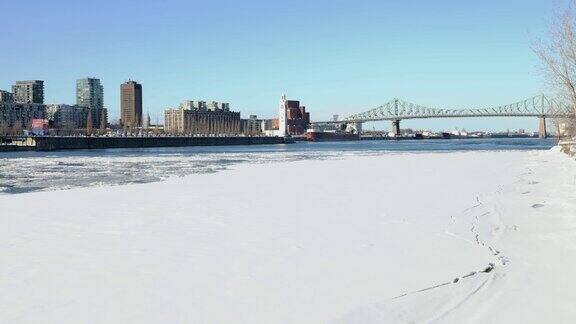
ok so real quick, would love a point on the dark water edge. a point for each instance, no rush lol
(22, 172)
(486, 144)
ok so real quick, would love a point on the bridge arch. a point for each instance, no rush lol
(396, 110)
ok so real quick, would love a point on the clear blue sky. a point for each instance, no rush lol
(335, 56)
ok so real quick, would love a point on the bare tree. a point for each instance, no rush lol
(4, 128)
(103, 118)
(17, 128)
(558, 57)
(89, 123)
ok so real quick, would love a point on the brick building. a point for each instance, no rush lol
(131, 104)
(297, 119)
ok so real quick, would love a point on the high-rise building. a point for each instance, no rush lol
(67, 116)
(15, 114)
(90, 94)
(131, 104)
(29, 91)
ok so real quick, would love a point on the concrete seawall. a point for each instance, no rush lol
(15, 148)
(78, 143)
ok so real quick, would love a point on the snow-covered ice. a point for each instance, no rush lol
(449, 237)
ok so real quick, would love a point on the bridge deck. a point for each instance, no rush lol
(538, 106)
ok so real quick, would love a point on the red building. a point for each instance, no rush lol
(297, 118)
(39, 127)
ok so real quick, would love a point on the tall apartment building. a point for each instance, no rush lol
(196, 117)
(29, 91)
(90, 94)
(17, 114)
(67, 116)
(131, 104)
(24, 103)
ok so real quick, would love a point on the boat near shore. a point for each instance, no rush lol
(314, 134)
(318, 136)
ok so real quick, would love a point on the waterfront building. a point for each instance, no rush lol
(217, 106)
(131, 104)
(203, 105)
(292, 118)
(90, 94)
(192, 117)
(268, 124)
(67, 117)
(275, 124)
(39, 127)
(269, 127)
(251, 126)
(193, 105)
(31, 91)
(298, 119)
(6, 96)
(20, 115)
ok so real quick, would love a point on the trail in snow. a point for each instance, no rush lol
(502, 260)
(527, 226)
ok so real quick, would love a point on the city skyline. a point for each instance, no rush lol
(341, 58)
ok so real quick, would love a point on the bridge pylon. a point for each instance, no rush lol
(396, 127)
(542, 127)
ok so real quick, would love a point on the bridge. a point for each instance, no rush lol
(396, 110)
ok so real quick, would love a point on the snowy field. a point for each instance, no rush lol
(469, 237)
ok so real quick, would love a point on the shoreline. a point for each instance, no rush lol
(67, 143)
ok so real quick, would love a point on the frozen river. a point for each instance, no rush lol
(327, 233)
(34, 171)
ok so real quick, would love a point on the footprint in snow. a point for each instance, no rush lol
(489, 268)
(537, 205)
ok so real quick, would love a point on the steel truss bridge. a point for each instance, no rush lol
(397, 110)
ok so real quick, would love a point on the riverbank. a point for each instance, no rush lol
(16, 148)
(331, 240)
(63, 143)
(59, 143)
(81, 143)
